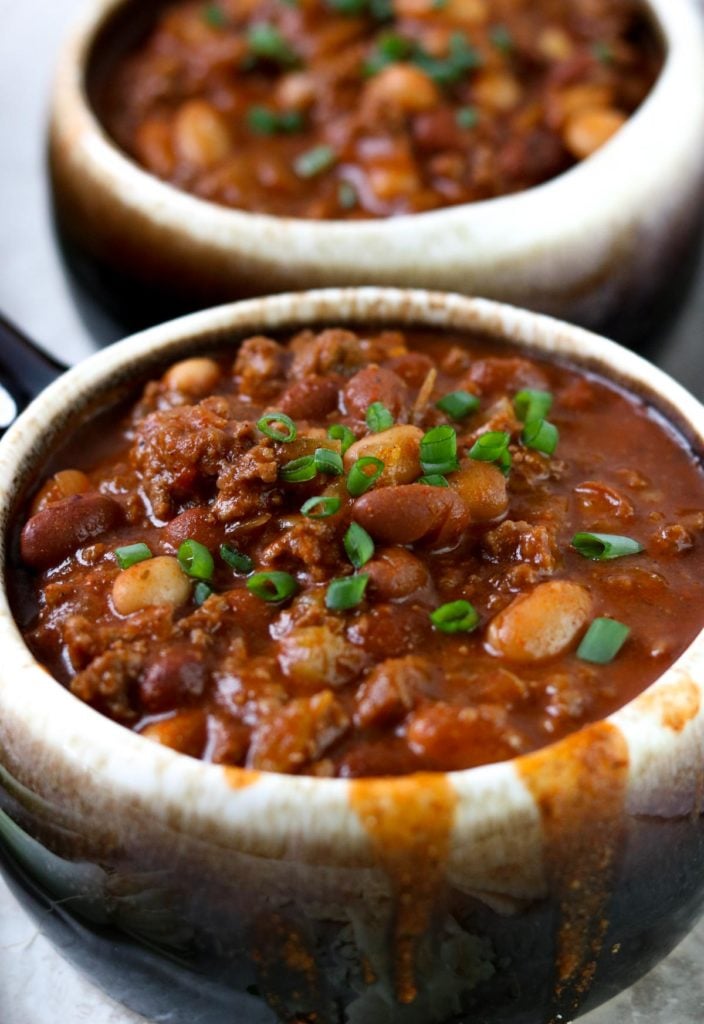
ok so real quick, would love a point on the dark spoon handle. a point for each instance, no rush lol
(25, 370)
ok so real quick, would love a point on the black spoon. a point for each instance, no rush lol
(25, 370)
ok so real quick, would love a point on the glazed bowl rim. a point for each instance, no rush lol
(127, 759)
(679, 23)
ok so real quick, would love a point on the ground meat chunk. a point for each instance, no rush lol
(305, 545)
(317, 656)
(260, 367)
(455, 736)
(390, 690)
(332, 351)
(110, 677)
(522, 542)
(245, 485)
(300, 733)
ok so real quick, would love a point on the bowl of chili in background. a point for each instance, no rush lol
(526, 890)
(594, 242)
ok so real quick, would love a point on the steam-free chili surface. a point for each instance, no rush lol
(355, 657)
(369, 108)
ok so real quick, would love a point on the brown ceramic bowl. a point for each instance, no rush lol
(517, 893)
(596, 245)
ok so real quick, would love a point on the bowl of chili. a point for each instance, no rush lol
(548, 156)
(414, 728)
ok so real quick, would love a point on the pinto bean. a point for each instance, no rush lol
(413, 512)
(310, 399)
(540, 624)
(156, 581)
(453, 738)
(318, 656)
(482, 487)
(193, 377)
(402, 87)
(173, 678)
(391, 630)
(399, 450)
(201, 134)
(588, 130)
(375, 384)
(64, 526)
(194, 524)
(61, 485)
(397, 575)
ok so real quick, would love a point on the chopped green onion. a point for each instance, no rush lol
(236, 559)
(358, 545)
(433, 480)
(455, 617)
(492, 447)
(284, 436)
(349, 7)
(378, 417)
(314, 161)
(382, 10)
(532, 405)
(347, 195)
(438, 451)
(541, 435)
(202, 592)
(345, 593)
(298, 471)
(602, 641)
(501, 38)
(462, 58)
(214, 16)
(467, 117)
(320, 507)
(272, 586)
(458, 404)
(390, 48)
(328, 462)
(603, 53)
(264, 121)
(131, 554)
(337, 432)
(603, 546)
(266, 41)
(359, 480)
(195, 560)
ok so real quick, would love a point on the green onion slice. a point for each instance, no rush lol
(541, 435)
(602, 641)
(467, 117)
(236, 559)
(131, 554)
(358, 545)
(298, 471)
(532, 405)
(363, 475)
(266, 41)
(314, 161)
(501, 38)
(492, 447)
(320, 507)
(438, 451)
(458, 404)
(378, 418)
(265, 121)
(202, 592)
(347, 195)
(328, 462)
(195, 560)
(214, 16)
(338, 432)
(272, 587)
(455, 617)
(266, 425)
(433, 480)
(346, 592)
(603, 546)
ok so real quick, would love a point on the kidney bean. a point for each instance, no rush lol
(391, 630)
(412, 367)
(399, 450)
(310, 399)
(194, 524)
(174, 677)
(375, 384)
(397, 575)
(64, 526)
(413, 512)
(540, 624)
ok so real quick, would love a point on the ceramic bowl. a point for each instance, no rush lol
(595, 245)
(517, 893)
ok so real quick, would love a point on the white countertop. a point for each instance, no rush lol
(33, 975)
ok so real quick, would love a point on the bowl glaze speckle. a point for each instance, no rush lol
(524, 892)
(595, 245)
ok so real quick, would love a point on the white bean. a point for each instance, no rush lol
(540, 624)
(155, 581)
(195, 377)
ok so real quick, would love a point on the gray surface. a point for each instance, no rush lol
(36, 294)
